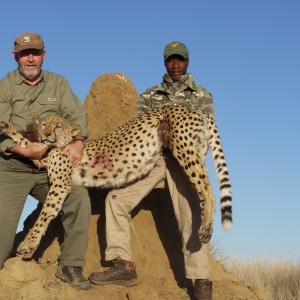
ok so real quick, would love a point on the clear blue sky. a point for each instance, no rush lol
(247, 53)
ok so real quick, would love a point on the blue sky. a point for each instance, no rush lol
(246, 53)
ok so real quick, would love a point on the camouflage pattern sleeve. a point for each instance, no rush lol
(144, 104)
(205, 102)
(185, 92)
(150, 99)
(202, 98)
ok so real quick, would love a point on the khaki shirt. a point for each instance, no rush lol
(52, 95)
(183, 92)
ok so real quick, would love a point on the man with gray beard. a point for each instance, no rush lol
(25, 93)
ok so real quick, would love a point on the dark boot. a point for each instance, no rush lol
(122, 272)
(73, 276)
(202, 289)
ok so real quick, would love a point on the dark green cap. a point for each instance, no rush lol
(176, 48)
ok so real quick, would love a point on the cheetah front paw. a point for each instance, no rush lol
(26, 249)
(205, 233)
(38, 163)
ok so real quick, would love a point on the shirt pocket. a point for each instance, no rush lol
(48, 105)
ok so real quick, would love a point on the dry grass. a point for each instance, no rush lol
(280, 280)
(217, 252)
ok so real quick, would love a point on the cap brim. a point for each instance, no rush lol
(20, 48)
(176, 53)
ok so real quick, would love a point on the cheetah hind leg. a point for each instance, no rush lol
(207, 219)
(206, 198)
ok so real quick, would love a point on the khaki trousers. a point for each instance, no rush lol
(17, 181)
(120, 202)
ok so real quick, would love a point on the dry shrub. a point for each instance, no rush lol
(280, 279)
(217, 252)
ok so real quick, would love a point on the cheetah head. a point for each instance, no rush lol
(54, 131)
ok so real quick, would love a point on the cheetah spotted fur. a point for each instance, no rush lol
(126, 155)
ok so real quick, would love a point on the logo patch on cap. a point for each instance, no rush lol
(174, 45)
(176, 48)
(26, 39)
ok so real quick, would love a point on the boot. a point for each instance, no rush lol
(202, 289)
(73, 276)
(122, 272)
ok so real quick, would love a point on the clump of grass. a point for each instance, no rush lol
(279, 279)
(217, 252)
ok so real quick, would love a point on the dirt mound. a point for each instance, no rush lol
(156, 242)
(112, 101)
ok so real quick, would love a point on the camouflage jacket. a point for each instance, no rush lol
(183, 92)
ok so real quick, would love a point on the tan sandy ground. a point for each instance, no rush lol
(156, 241)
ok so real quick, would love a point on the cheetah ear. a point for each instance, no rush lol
(75, 130)
(33, 125)
(36, 120)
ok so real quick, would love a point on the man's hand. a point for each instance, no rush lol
(75, 151)
(31, 151)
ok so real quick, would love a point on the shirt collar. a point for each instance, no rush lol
(19, 79)
(185, 81)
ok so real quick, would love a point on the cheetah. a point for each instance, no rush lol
(126, 155)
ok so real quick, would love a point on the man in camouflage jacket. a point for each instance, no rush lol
(185, 92)
(177, 88)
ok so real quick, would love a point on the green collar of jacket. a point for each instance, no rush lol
(185, 82)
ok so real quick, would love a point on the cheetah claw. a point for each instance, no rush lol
(25, 250)
(205, 234)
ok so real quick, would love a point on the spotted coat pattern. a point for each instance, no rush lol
(126, 155)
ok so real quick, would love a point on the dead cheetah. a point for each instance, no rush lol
(127, 154)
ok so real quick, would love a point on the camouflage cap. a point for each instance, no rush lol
(176, 48)
(28, 40)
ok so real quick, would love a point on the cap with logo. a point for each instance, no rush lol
(28, 40)
(176, 48)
